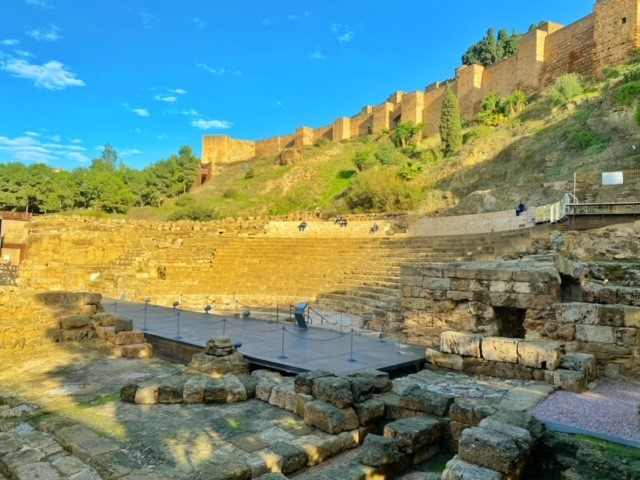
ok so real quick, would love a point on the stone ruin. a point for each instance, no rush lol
(395, 430)
(114, 331)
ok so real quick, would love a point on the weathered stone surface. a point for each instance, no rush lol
(250, 382)
(369, 411)
(219, 366)
(278, 396)
(122, 324)
(128, 337)
(235, 389)
(480, 366)
(301, 401)
(304, 381)
(459, 343)
(75, 321)
(412, 434)
(458, 469)
(77, 334)
(470, 412)
(522, 420)
(128, 392)
(215, 391)
(580, 362)
(500, 349)
(139, 350)
(521, 436)
(335, 390)
(490, 449)
(425, 401)
(84, 443)
(105, 333)
(545, 355)
(570, 380)
(329, 418)
(444, 360)
(381, 381)
(194, 388)
(294, 458)
(220, 346)
(377, 451)
(36, 471)
(523, 399)
(598, 334)
(147, 395)
(171, 390)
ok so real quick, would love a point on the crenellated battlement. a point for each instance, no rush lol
(607, 37)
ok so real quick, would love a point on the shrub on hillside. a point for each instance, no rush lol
(566, 88)
(627, 94)
(381, 190)
(363, 160)
(185, 201)
(387, 154)
(197, 213)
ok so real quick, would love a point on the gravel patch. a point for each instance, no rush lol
(610, 408)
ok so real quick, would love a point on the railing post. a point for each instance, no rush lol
(282, 355)
(351, 359)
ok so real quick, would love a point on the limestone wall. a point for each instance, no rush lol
(464, 297)
(607, 37)
(223, 149)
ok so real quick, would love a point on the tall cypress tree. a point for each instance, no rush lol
(450, 125)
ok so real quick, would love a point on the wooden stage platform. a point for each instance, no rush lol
(176, 335)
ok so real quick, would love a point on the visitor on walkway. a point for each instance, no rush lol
(302, 226)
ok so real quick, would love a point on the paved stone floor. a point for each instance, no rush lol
(61, 404)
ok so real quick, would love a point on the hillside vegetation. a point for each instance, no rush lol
(528, 156)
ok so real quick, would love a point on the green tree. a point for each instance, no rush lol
(406, 133)
(491, 49)
(450, 125)
(566, 88)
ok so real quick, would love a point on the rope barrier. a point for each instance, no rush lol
(342, 335)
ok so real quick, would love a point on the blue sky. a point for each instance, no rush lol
(148, 76)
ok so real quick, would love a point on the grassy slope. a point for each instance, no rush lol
(527, 158)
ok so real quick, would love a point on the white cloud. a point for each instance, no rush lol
(179, 91)
(220, 71)
(298, 17)
(53, 75)
(343, 33)
(162, 136)
(191, 112)
(45, 35)
(143, 112)
(24, 53)
(78, 157)
(210, 124)
(55, 138)
(76, 140)
(9, 42)
(199, 22)
(317, 55)
(30, 149)
(266, 22)
(277, 103)
(168, 99)
(129, 152)
(38, 3)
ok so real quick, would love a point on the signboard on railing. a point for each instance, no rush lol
(612, 178)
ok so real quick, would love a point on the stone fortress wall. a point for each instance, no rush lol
(607, 37)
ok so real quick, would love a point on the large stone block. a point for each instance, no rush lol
(219, 366)
(500, 349)
(412, 434)
(470, 412)
(377, 451)
(147, 395)
(329, 418)
(427, 402)
(521, 436)
(75, 321)
(293, 457)
(369, 411)
(139, 350)
(570, 380)
(128, 338)
(459, 343)
(304, 381)
(444, 360)
(234, 388)
(632, 317)
(580, 362)
(194, 388)
(545, 355)
(458, 469)
(593, 333)
(490, 449)
(171, 390)
(335, 390)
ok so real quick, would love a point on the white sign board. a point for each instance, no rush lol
(612, 178)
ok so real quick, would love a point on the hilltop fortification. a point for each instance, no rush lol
(607, 37)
